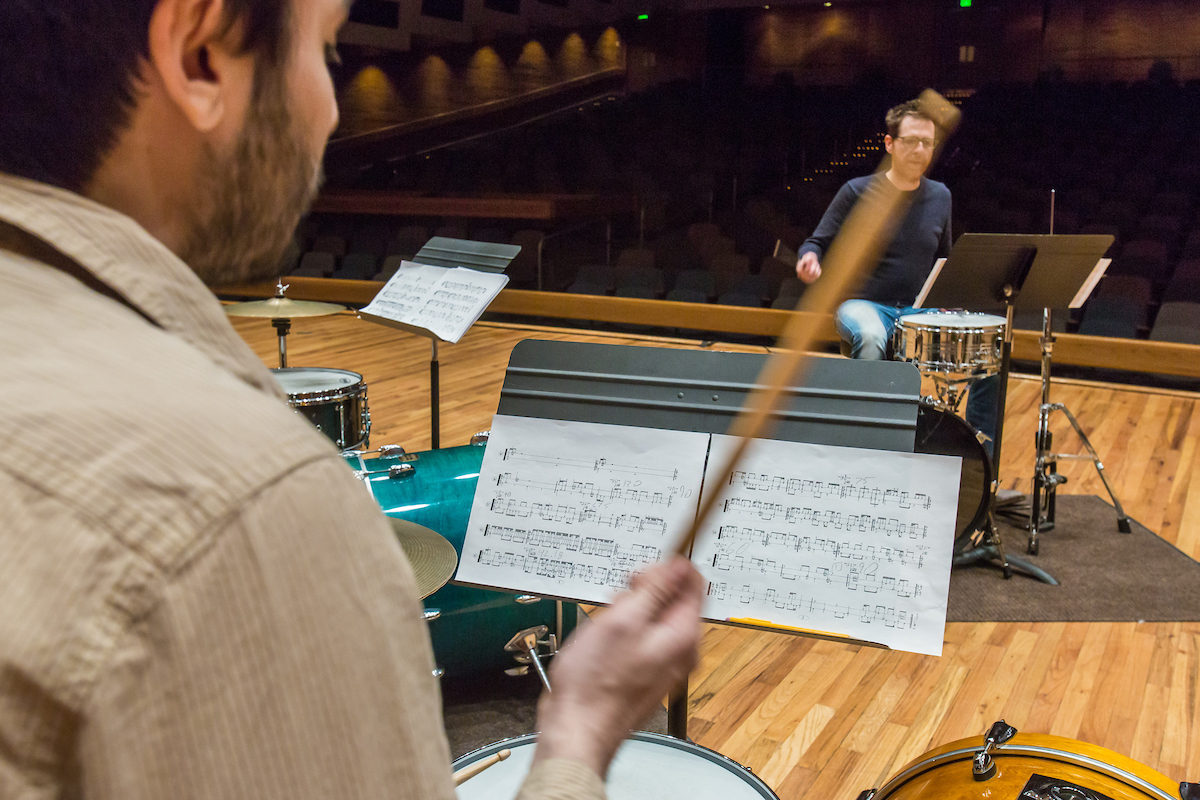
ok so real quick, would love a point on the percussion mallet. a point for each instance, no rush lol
(863, 238)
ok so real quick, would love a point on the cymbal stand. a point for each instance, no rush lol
(282, 326)
(990, 549)
(1046, 478)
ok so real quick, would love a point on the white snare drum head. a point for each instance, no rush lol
(314, 380)
(642, 769)
(953, 319)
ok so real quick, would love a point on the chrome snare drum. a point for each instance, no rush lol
(647, 765)
(956, 344)
(335, 400)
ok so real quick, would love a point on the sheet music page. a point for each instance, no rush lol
(573, 509)
(446, 302)
(834, 539)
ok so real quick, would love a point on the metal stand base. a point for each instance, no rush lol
(991, 551)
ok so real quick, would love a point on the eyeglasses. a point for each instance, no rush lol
(913, 141)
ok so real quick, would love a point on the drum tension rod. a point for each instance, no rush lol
(526, 642)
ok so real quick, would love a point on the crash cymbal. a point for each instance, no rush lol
(432, 557)
(282, 308)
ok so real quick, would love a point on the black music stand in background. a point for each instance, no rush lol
(1008, 273)
(441, 251)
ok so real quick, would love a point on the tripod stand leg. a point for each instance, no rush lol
(1122, 517)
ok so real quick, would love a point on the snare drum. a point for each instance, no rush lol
(1029, 765)
(335, 400)
(951, 343)
(647, 765)
(473, 625)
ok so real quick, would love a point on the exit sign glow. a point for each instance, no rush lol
(964, 3)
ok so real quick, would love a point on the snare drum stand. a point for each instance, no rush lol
(1046, 478)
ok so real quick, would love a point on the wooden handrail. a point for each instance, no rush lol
(1134, 355)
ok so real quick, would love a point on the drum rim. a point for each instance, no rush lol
(709, 754)
(989, 469)
(346, 392)
(1045, 746)
(964, 315)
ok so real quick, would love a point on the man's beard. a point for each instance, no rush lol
(249, 202)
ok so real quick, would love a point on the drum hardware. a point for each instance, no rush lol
(334, 400)
(281, 311)
(430, 614)
(526, 599)
(393, 472)
(383, 451)
(480, 439)
(526, 642)
(438, 672)
(983, 767)
(1046, 478)
(647, 765)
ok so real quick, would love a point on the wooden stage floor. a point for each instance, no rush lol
(817, 719)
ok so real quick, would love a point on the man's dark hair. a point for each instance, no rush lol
(896, 115)
(68, 73)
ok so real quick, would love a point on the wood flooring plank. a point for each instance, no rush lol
(787, 756)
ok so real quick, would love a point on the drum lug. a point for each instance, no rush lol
(480, 439)
(868, 795)
(527, 599)
(430, 614)
(397, 471)
(983, 766)
(438, 672)
(390, 451)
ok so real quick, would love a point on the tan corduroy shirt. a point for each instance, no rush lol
(197, 598)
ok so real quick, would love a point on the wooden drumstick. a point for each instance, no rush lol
(471, 770)
(864, 236)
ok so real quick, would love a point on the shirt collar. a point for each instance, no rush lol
(122, 255)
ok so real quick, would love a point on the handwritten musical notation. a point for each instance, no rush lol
(836, 539)
(444, 301)
(574, 509)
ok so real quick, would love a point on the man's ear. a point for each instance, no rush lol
(194, 55)
(888, 142)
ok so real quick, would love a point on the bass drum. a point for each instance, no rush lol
(647, 765)
(1029, 766)
(435, 489)
(942, 433)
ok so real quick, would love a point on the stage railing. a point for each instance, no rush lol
(1132, 355)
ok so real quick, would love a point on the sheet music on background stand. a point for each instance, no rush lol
(440, 294)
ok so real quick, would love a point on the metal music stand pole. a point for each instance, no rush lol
(435, 400)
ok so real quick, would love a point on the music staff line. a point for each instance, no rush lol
(851, 577)
(573, 515)
(589, 491)
(838, 520)
(834, 548)
(845, 488)
(556, 568)
(596, 464)
(628, 556)
(809, 607)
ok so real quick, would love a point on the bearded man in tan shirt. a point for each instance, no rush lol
(198, 598)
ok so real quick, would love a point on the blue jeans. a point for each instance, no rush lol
(867, 328)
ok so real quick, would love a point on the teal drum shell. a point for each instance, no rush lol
(474, 624)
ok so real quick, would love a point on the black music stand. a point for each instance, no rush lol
(870, 404)
(441, 251)
(1006, 272)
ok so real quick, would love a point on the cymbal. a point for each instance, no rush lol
(282, 308)
(432, 557)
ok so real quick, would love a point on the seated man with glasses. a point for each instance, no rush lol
(923, 237)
